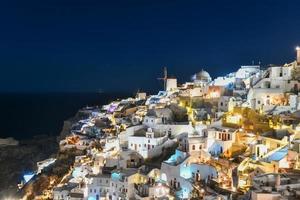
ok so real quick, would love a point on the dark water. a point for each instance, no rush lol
(23, 116)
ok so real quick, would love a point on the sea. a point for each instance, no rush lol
(26, 115)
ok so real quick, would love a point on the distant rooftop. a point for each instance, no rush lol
(278, 134)
(120, 174)
(142, 133)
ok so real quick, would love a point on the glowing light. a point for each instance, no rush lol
(177, 157)
(116, 176)
(164, 177)
(297, 48)
(185, 172)
(112, 108)
(76, 173)
(214, 94)
(185, 193)
(27, 177)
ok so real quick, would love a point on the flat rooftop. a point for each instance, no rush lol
(142, 133)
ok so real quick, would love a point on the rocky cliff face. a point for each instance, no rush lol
(81, 114)
(16, 160)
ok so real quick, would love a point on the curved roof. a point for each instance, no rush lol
(202, 76)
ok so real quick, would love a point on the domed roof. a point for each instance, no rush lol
(202, 76)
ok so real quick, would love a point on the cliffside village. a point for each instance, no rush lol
(233, 137)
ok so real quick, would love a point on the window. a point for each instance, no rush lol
(193, 147)
(258, 102)
(200, 147)
(152, 146)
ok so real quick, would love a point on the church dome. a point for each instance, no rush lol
(202, 76)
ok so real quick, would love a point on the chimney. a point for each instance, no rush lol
(298, 54)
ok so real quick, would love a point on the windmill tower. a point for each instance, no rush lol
(165, 78)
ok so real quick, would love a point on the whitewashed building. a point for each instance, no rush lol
(148, 143)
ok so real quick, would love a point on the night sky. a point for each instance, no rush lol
(84, 46)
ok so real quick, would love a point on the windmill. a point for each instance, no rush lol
(164, 78)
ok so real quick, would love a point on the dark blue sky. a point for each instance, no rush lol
(123, 45)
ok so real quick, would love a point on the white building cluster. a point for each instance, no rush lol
(233, 136)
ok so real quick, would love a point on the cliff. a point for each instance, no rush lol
(21, 158)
